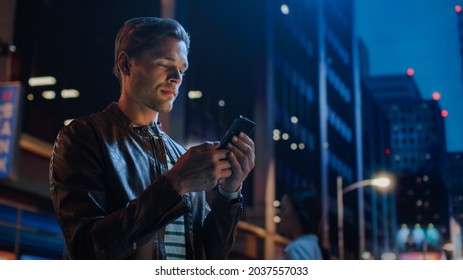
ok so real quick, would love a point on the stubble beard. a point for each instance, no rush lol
(162, 106)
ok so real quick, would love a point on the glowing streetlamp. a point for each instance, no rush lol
(381, 182)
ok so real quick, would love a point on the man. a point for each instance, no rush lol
(122, 188)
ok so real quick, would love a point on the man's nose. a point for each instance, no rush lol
(175, 76)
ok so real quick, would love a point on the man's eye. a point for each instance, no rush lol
(165, 66)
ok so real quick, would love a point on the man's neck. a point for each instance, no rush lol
(137, 113)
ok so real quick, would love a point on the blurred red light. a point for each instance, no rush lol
(444, 113)
(387, 151)
(7, 96)
(436, 95)
(410, 72)
(458, 8)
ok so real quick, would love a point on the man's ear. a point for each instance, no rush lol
(123, 62)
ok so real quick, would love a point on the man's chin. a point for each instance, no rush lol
(163, 108)
(166, 109)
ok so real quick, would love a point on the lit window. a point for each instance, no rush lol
(70, 93)
(49, 94)
(42, 81)
(276, 134)
(195, 94)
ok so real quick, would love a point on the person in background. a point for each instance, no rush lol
(300, 218)
(122, 188)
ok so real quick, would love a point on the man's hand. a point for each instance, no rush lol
(200, 168)
(242, 159)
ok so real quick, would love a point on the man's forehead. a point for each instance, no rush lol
(169, 51)
(166, 44)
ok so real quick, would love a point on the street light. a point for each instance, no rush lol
(381, 182)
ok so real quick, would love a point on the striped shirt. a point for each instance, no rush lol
(174, 239)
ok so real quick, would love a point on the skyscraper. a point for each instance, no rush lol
(417, 153)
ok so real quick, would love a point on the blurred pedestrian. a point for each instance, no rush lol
(300, 219)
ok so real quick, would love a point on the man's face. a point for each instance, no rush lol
(156, 75)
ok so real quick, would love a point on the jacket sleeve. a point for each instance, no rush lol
(220, 226)
(79, 194)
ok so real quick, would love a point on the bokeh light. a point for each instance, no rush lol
(284, 9)
(444, 113)
(410, 72)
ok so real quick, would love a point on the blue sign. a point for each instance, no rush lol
(10, 107)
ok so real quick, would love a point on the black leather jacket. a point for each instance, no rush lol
(113, 202)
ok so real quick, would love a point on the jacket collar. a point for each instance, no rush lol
(121, 119)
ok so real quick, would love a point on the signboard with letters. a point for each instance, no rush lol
(10, 116)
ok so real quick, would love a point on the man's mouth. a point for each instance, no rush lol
(171, 92)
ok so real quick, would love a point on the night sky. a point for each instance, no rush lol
(423, 35)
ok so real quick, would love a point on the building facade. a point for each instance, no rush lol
(416, 157)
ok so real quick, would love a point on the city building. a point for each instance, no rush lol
(417, 154)
(454, 182)
(380, 205)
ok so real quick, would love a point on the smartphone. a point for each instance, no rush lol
(241, 124)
